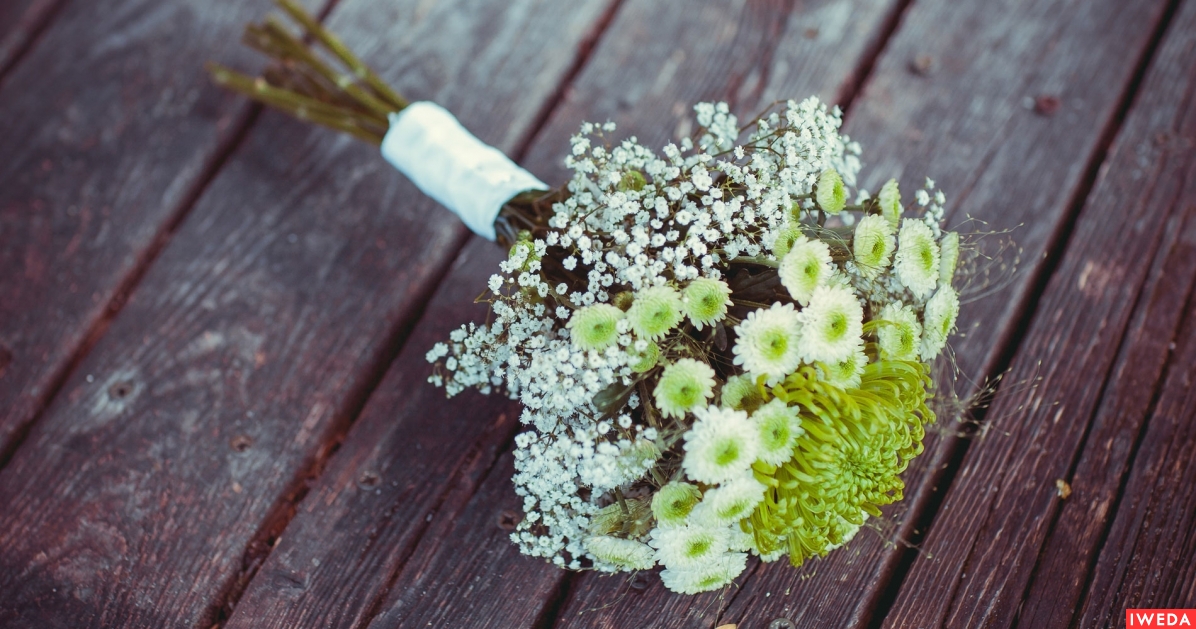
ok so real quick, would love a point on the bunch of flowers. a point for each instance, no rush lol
(721, 350)
(716, 352)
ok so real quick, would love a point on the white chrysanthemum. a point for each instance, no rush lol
(646, 359)
(830, 192)
(786, 236)
(740, 393)
(899, 334)
(594, 327)
(656, 310)
(939, 318)
(705, 301)
(683, 385)
(917, 258)
(847, 373)
(873, 244)
(710, 576)
(948, 257)
(673, 503)
(779, 427)
(807, 266)
(889, 198)
(832, 325)
(721, 445)
(623, 553)
(729, 502)
(768, 342)
(688, 546)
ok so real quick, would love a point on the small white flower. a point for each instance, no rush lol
(712, 575)
(720, 446)
(917, 258)
(805, 267)
(730, 502)
(779, 427)
(768, 342)
(832, 325)
(899, 334)
(939, 318)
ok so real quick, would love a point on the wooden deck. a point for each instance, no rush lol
(213, 319)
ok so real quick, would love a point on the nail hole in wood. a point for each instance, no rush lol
(639, 582)
(368, 480)
(120, 390)
(241, 443)
(781, 623)
(508, 519)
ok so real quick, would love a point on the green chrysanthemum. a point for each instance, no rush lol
(941, 313)
(807, 266)
(917, 258)
(786, 236)
(948, 257)
(673, 503)
(646, 359)
(595, 327)
(778, 425)
(833, 324)
(684, 385)
(634, 515)
(830, 193)
(705, 301)
(899, 334)
(622, 553)
(740, 393)
(873, 245)
(889, 198)
(656, 311)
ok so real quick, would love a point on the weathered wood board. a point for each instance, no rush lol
(148, 492)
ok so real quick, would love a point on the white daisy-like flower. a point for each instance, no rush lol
(830, 192)
(768, 342)
(721, 445)
(832, 325)
(730, 502)
(656, 310)
(806, 266)
(683, 385)
(917, 260)
(873, 244)
(594, 327)
(899, 334)
(688, 546)
(673, 503)
(779, 427)
(705, 301)
(939, 319)
(889, 198)
(847, 373)
(786, 236)
(948, 257)
(623, 553)
(710, 576)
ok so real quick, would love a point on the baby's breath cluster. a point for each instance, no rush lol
(718, 352)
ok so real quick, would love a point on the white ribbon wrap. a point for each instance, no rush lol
(445, 161)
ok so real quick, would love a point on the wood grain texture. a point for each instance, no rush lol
(981, 555)
(146, 494)
(963, 121)
(1149, 558)
(109, 130)
(1153, 166)
(20, 22)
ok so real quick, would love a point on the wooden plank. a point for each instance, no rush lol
(20, 22)
(1154, 166)
(152, 487)
(413, 586)
(110, 130)
(981, 555)
(1149, 558)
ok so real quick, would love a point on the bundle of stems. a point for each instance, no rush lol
(315, 78)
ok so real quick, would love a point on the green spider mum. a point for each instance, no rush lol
(595, 327)
(830, 192)
(705, 301)
(683, 385)
(656, 310)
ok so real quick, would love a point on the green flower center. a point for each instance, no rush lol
(727, 453)
(774, 343)
(696, 548)
(836, 326)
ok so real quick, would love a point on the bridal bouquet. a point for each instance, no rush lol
(721, 349)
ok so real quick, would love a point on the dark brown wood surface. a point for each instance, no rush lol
(109, 131)
(253, 339)
(250, 440)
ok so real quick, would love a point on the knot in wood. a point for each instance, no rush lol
(240, 443)
(120, 390)
(508, 519)
(781, 623)
(369, 479)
